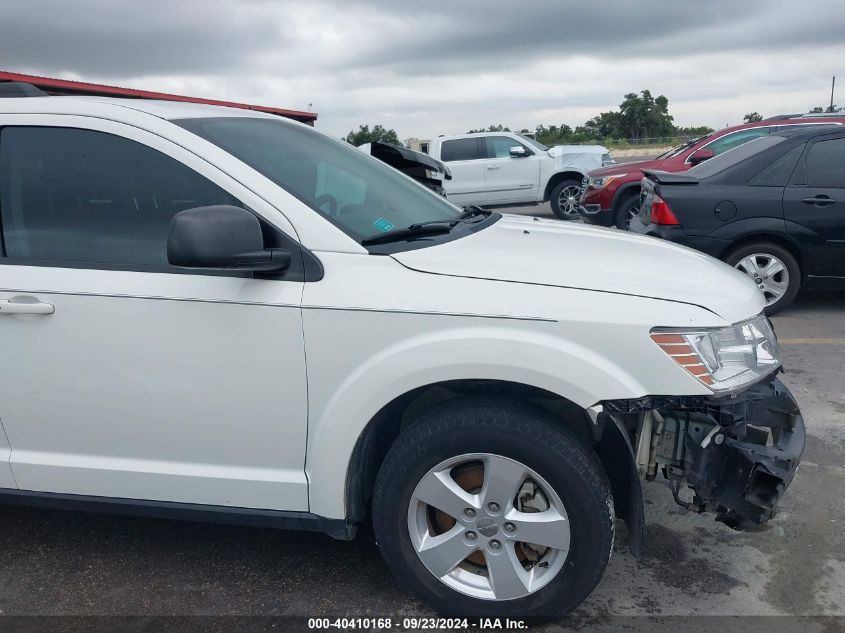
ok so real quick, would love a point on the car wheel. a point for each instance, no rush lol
(627, 211)
(486, 507)
(565, 199)
(773, 269)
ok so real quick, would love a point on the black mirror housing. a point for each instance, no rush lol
(221, 237)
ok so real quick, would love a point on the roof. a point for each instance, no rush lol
(67, 87)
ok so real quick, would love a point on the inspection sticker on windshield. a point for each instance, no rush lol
(383, 225)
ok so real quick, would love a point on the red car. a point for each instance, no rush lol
(610, 196)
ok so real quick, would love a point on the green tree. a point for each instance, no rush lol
(700, 130)
(366, 135)
(491, 128)
(644, 116)
(553, 134)
(604, 125)
(752, 117)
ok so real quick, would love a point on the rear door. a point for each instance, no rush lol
(509, 179)
(814, 205)
(464, 156)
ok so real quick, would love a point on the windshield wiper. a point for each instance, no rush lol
(422, 228)
(432, 227)
(472, 210)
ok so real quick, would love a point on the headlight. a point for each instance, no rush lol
(724, 359)
(602, 181)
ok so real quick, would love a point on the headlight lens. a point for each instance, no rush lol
(724, 359)
(603, 181)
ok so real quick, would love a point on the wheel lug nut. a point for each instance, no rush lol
(469, 512)
(509, 527)
(471, 536)
(494, 544)
(493, 506)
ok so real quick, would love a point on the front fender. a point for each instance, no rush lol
(346, 393)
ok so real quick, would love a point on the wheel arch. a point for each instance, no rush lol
(624, 192)
(558, 177)
(804, 264)
(383, 428)
(601, 432)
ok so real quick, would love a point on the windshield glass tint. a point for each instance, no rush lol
(361, 195)
(733, 156)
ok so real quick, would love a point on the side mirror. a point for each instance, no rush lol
(221, 238)
(700, 155)
(517, 151)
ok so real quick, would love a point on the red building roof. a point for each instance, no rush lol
(66, 87)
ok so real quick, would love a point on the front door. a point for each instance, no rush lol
(510, 179)
(814, 205)
(123, 376)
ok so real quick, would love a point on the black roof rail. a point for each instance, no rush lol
(10, 89)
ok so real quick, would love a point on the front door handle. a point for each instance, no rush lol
(25, 305)
(494, 167)
(821, 200)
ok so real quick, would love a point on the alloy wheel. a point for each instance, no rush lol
(488, 526)
(568, 199)
(768, 272)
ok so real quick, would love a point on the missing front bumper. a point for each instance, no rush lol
(733, 456)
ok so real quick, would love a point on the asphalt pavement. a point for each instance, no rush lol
(74, 563)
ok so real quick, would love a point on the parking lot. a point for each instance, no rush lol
(75, 563)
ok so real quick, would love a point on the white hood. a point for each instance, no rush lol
(570, 255)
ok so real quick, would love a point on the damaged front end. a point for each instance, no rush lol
(733, 455)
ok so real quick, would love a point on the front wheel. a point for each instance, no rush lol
(565, 199)
(627, 211)
(773, 269)
(489, 508)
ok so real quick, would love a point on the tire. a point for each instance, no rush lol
(568, 191)
(505, 435)
(757, 260)
(629, 208)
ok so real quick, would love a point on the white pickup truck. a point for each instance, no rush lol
(505, 168)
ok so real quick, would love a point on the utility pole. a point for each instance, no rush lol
(832, 86)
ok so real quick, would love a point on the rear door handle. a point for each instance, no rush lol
(819, 200)
(494, 167)
(11, 306)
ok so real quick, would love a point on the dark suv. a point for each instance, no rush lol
(610, 195)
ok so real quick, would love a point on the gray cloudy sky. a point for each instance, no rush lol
(441, 67)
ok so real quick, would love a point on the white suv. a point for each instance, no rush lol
(219, 314)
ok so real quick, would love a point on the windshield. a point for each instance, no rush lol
(735, 155)
(361, 195)
(536, 144)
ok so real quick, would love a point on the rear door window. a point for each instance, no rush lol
(826, 164)
(462, 149)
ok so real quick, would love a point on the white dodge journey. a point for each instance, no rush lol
(220, 314)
